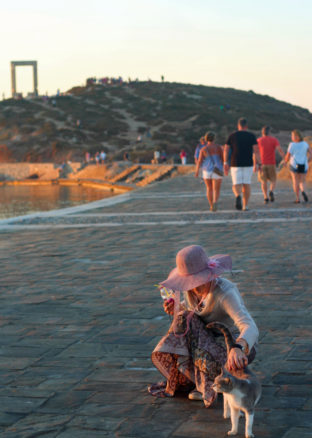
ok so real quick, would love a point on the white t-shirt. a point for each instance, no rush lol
(298, 152)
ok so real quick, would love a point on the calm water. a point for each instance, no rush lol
(20, 200)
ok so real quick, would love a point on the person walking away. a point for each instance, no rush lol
(156, 157)
(299, 153)
(199, 147)
(102, 157)
(183, 157)
(245, 158)
(267, 146)
(87, 157)
(211, 162)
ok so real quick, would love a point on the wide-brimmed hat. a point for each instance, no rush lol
(195, 268)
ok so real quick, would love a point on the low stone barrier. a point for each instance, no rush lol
(41, 171)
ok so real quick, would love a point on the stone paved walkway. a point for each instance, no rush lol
(80, 314)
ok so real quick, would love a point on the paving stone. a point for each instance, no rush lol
(6, 418)
(82, 433)
(20, 405)
(95, 422)
(145, 428)
(65, 402)
(295, 432)
(29, 434)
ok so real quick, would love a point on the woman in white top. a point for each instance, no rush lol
(299, 153)
(190, 354)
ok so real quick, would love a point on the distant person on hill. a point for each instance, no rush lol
(244, 150)
(87, 157)
(97, 158)
(183, 157)
(200, 145)
(156, 157)
(267, 145)
(163, 157)
(211, 162)
(102, 157)
(299, 154)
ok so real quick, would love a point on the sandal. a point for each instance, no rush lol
(238, 202)
(195, 395)
(158, 390)
(271, 196)
(304, 195)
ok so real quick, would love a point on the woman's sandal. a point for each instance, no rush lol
(159, 390)
(195, 395)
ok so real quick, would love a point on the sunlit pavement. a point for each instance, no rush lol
(80, 313)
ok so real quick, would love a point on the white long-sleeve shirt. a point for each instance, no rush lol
(224, 304)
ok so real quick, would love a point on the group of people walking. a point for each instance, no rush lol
(244, 154)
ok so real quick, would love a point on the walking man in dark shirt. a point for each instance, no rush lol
(243, 149)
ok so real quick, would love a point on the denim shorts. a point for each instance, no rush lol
(295, 170)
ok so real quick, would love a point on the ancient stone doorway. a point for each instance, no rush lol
(15, 64)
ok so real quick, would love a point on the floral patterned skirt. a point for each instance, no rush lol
(191, 359)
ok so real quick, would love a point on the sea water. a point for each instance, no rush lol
(20, 200)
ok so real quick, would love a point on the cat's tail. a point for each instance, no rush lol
(229, 340)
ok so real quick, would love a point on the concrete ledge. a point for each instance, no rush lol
(116, 188)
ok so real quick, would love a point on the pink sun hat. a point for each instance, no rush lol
(195, 268)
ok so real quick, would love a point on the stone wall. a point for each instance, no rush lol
(20, 171)
(107, 172)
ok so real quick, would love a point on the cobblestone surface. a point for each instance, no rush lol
(80, 314)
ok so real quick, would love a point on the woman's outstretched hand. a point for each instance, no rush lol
(169, 306)
(236, 360)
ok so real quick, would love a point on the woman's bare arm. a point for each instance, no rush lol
(199, 161)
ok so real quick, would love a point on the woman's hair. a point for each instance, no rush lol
(210, 136)
(298, 134)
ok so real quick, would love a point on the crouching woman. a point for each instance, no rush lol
(190, 356)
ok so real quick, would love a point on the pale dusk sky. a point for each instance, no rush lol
(264, 46)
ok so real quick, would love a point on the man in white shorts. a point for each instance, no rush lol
(243, 149)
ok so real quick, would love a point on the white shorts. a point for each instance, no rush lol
(210, 175)
(241, 175)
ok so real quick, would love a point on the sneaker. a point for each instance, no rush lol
(266, 200)
(215, 206)
(238, 203)
(195, 395)
(306, 199)
(245, 209)
(271, 196)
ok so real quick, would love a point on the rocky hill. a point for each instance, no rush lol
(137, 118)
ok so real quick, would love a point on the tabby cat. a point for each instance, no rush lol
(241, 388)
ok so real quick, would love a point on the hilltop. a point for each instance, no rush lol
(136, 117)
